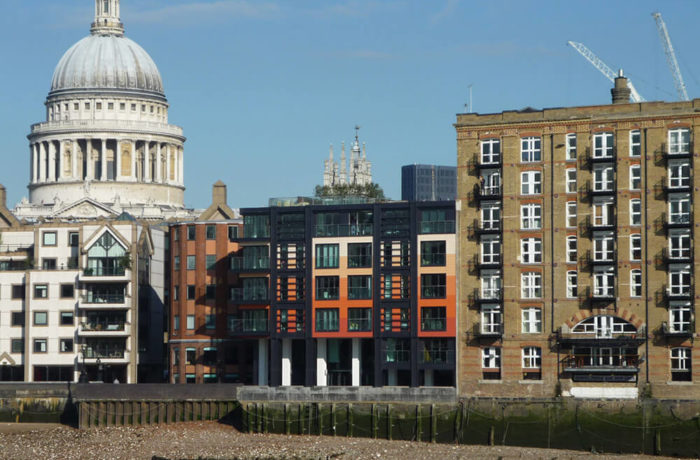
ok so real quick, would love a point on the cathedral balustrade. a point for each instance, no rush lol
(150, 127)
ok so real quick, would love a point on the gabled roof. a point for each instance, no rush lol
(85, 208)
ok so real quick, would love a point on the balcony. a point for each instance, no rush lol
(606, 339)
(103, 301)
(103, 274)
(484, 296)
(250, 295)
(589, 190)
(677, 256)
(679, 151)
(438, 226)
(602, 258)
(488, 330)
(103, 329)
(436, 356)
(103, 350)
(679, 185)
(598, 225)
(487, 227)
(250, 264)
(607, 155)
(679, 292)
(680, 220)
(684, 330)
(603, 366)
(487, 261)
(494, 162)
(248, 326)
(344, 230)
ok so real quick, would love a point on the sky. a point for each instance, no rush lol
(262, 88)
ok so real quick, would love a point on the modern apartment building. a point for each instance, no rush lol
(428, 183)
(317, 295)
(577, 261)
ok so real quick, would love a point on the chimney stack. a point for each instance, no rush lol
(3, 197)
(219, 193)
(621, 92)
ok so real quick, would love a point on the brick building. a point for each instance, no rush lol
(576, 272)
(312, 295)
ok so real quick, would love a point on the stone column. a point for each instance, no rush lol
(59, 165)
(103, 160)
(52, 161)
(35, 163)
(90, 163)
(118, 160)
(355, 361)
(133, 161)
(74, 160)
(168, 151)
(321, 362)
(147, 161)
(262, 361)
(181, 164)
(42, 162)
(286, 362)
(159, 172)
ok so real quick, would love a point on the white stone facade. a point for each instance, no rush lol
(358, 171)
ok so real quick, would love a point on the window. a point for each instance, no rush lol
(98, 106)
(490, 216)
(531, 285)
(571, 180)
(531, 320)
(190, 355)
(191, 262)
(432, 253)
(491, 183)
(210, 291)
(679, 244)
(680, 317)
(40, 346)
(359, 287)
(530, 149)
(210, 262)
(133, 107)
(73, 239)
(635, 177)
(490, 250)
(433, 319)
(17, 318)
(570, 147)
(490, 284)
(233, 232)
(635, 283)
(572, 284)
(678, 141)
(190, 322)
(604, 248)
(17, 345)
(635, 246)
(67, 291)
(603, 213)
(48, 264)
(48, 238)
(327, 320)
(211, 232)
(176, 323)
(531, 250)
(176, 292)
(327, 288)
(359, 319)
(491, 358)
(433, 286)
(636, 211)
(76, 106)
(18, 291)
(603, 178)
(176, 263)
(327, 256)
(681, 364)
(678, 174)
(571, 214)
(635, 143)
(679, 278)
(66, 318)
(679, 209)
(65, 345)
(532, 358)
(604, 283)
(41, 318)
(190, 292)
(531, 183)
(41, 291)
(122, 106)
(210, 321)
(491, 319)
(531, 216)
(603, 145)
(87, 106)
(191, 232)
(490, 151)
(359, 255)
(571, 249)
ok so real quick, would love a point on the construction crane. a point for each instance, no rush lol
(671, 57)
(604, 68)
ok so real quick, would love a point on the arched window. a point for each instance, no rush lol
(105, 7)
(106, 257)
(604, 326)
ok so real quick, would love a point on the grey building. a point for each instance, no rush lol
(428, 183)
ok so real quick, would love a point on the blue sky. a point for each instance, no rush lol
(263, 87)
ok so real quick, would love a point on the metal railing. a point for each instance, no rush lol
(104, 271)
(344, 230)
(103, 326)
(248, 325)
(441, 226)
(250, 263)
(103, 298)
(250, 294)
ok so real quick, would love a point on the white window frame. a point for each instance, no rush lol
(679, 244)
(490, 151)
(604, 247)
(491, 284)
(606, 148)
(635, 143)
(678, 141)
(532, 358)
(571, 210)
(531, 320)
(491, 183)
(679, 280)
(681, 359)
(603, 178)
(571, 284)
(571, 147)
(491, 216)
(678, 174)
(635, 283)
(603, 213)
(531, 216)
(531, 183)
(571, 180)
(491, 319)
(679, 207)
(530, 149)
(490, 249)
(571, 249)
(635, 212)
(635, 177)
(531, 285)
(604, 283)
(680, 317)
(491, 358)
(531, 250)
(635, 246)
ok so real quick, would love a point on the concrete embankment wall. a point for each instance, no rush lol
(668, 427)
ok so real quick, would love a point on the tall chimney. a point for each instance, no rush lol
(621, 92)
(3, 197)
(219, 193)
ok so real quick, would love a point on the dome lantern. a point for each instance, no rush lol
(107, 20)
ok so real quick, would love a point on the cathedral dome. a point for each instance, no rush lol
(111, 63)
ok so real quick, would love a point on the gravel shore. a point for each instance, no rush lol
(211, 440)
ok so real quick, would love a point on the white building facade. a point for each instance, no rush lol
(358, 171)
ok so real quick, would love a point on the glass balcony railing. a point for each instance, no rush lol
(344, 230)
(103, 298)
(247, 325)
(250, 263)
(442, 226)
(104, 271)
(250, 294)
(103, 326)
